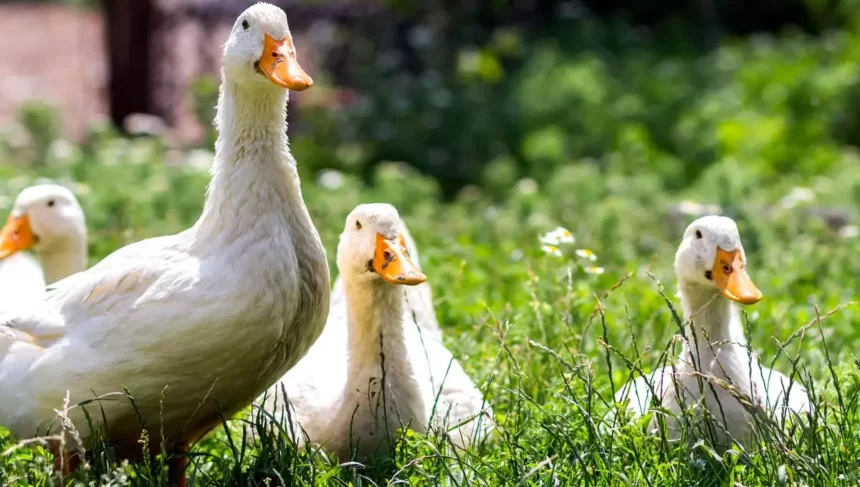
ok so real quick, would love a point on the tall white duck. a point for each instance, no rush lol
(716, 370)
(206, 318)
(49, 219)
(395, 371)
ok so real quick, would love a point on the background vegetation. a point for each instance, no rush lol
(602, 128)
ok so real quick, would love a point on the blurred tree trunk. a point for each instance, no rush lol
(130, 24)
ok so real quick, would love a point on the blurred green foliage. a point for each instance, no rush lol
(600, 131)
(631, 103)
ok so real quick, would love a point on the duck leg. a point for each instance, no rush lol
(178, 464)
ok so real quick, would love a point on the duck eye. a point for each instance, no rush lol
(51, 203)
(709, 275)
(245, 24)
(357, 225)
(698, 234)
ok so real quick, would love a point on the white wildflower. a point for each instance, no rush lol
(61, 150)
(82, 189)
(199, 159)
(551, 250)
(330, 179)
(694, 208)
(713, 209)
(796, 196)
(558, 236)
(594, 270)
(527, 186)
(586, 254)
(849, 231)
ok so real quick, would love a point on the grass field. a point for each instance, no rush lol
(549, 337)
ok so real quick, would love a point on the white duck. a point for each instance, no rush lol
(716, 368)
(217, 313)
(396, 372)
(46, 218)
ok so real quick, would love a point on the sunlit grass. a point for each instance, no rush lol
(547, 337)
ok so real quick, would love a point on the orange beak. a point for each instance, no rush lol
(280, 65)
(732, 279)
(391, 261)
(16, 236)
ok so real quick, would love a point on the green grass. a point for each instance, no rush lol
(614, 138)
(547, 342)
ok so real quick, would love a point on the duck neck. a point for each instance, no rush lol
(712, 322)
(376, 330)
(254, 177)
(64, 258)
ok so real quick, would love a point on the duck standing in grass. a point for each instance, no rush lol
(47, 218)
(396, 371)
(197, 324)
(716, 370)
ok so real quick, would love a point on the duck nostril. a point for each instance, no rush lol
(275, 54)
(726, 268)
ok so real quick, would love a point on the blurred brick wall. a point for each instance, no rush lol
(56, 54)
(53, 54)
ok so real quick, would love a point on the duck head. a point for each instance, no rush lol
(260, 50)
(372, 247)
(44, 217)
(711, 255)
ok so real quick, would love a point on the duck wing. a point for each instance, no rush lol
(132, 277)
(639, 393)
(313, 387)
(456, 404)
(33, 324)
(21, 281)
(781, 394)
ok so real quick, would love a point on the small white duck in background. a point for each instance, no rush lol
(46, 218)
(209, 317)
(711, 268)
(396, 371)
